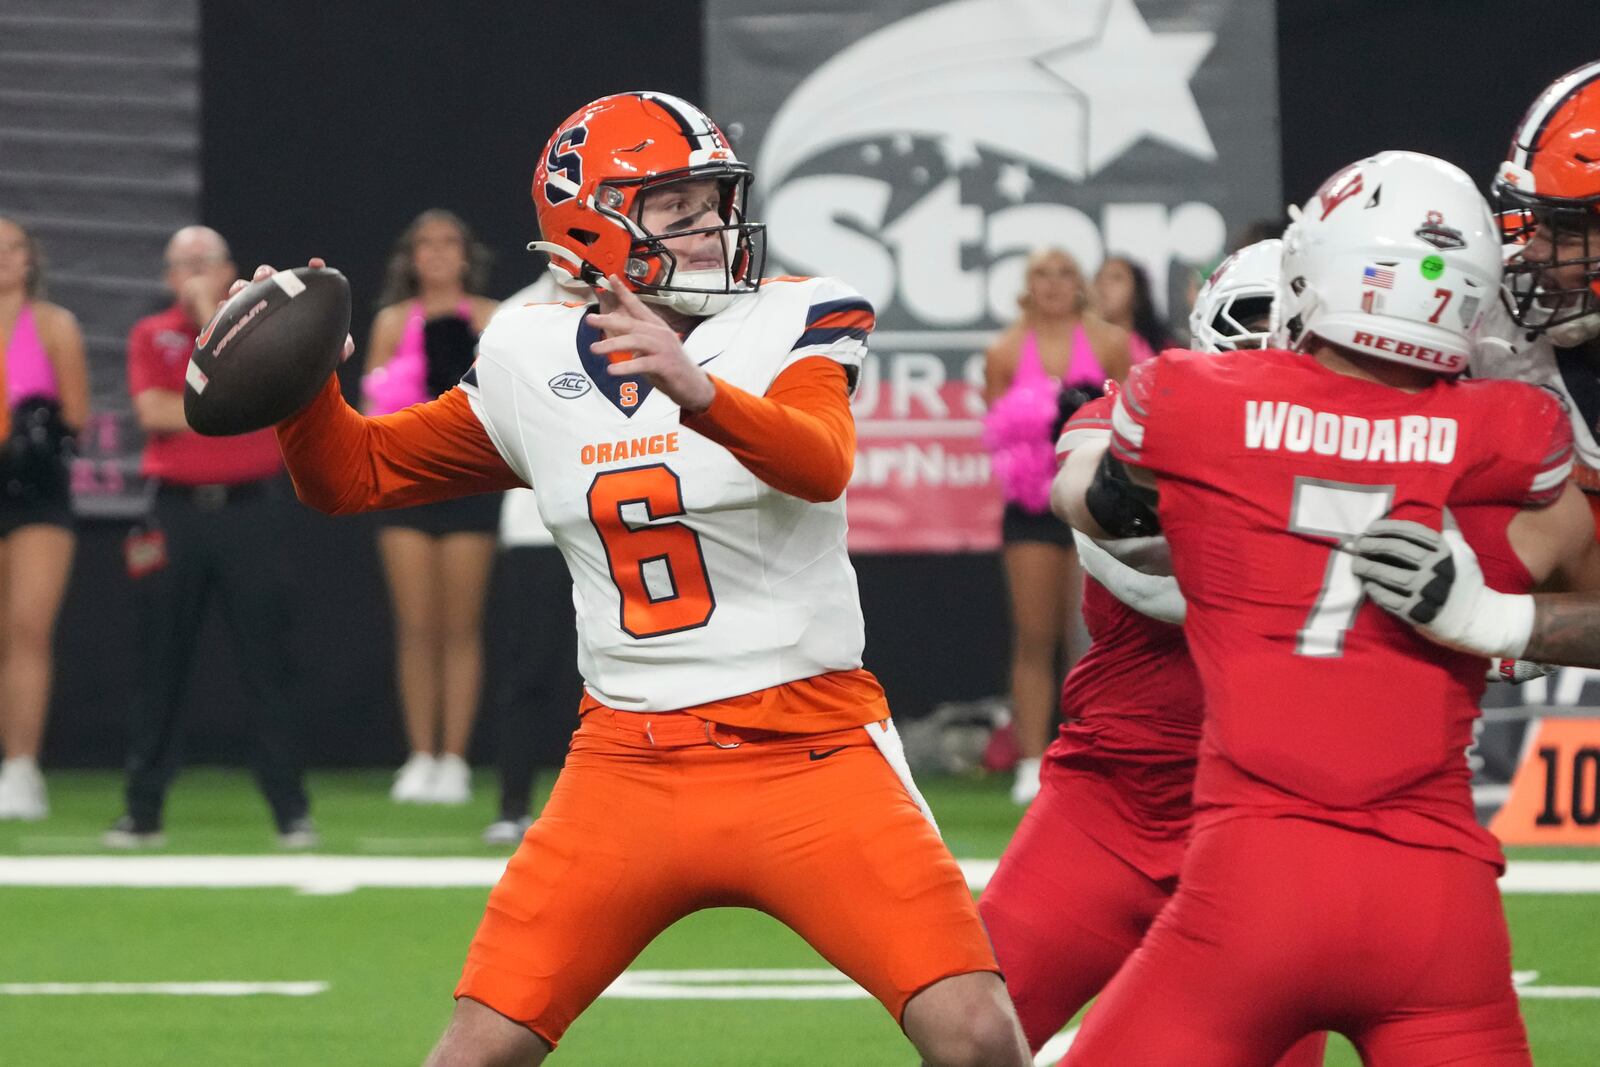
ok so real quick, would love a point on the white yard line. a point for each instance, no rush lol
(162, 989)
(792, 983)
(320, 874)
(1551, 876)
(308, 874)
(1051, 1051)
(701, 976)
(978, 872)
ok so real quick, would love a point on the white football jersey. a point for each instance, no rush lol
(694, 581)
(1505, 350)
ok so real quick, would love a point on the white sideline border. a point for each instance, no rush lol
(332, 875)
(162, 989)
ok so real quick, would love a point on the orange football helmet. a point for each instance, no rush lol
(587, 188)
(1551, 184)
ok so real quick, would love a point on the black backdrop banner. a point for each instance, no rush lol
(328, 127)
(1446, 77)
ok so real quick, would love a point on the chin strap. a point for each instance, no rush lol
(561, 252)
(570, 283)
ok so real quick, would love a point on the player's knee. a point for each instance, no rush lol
(969, 1023)
(479, 1036)
(987, 1038)
(457, 1053)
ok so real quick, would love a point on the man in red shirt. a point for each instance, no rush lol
(1336, 877)
(213, 530)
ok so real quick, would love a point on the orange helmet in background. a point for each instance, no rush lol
(586, 191)
(1551, 180)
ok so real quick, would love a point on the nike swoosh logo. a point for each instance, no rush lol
(815, 755)
(708, 359)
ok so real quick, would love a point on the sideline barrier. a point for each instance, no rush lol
(1555, 794)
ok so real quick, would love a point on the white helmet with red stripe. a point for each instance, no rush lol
(1233, 309)
(1396, 256)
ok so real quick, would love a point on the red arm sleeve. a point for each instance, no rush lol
(800, 438)
(342, 462)
(1551, 457)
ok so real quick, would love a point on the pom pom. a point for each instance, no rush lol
(1017, 433)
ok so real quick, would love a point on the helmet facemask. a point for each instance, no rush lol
(1242, 322)
(1568, 315)
(1233, 309)
(654, 271)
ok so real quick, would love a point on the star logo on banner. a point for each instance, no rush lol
(1134, 84)
(1063, 86)
(1014, 182)
(959, 152)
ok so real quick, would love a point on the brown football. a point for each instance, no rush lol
(267, 351)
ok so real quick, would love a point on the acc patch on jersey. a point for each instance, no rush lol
(569, 385)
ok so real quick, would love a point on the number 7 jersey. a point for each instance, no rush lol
(694, 581)
(1319, 704)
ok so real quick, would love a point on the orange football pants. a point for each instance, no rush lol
(656, 816)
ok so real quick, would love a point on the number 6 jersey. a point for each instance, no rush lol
(694, 579)
(1318, 704)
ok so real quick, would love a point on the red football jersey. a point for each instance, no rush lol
(1319, 704)
(1131, 708)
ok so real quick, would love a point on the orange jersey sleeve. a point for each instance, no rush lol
(800, 438)
(343, 462)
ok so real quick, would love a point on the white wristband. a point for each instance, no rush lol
(1490, 624)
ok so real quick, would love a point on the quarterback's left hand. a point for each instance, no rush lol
(1432, 580)
(656, 351)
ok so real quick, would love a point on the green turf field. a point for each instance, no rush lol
(384, 959)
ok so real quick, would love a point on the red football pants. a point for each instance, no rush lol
(1063, 913)
(1285, 926)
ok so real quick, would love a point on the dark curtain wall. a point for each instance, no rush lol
(1447, 77)
(328, 126)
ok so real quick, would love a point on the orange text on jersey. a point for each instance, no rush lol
(609, 452)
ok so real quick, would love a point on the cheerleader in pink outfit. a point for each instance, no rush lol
(437, 557)
(46, 402)
(1058, 344)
